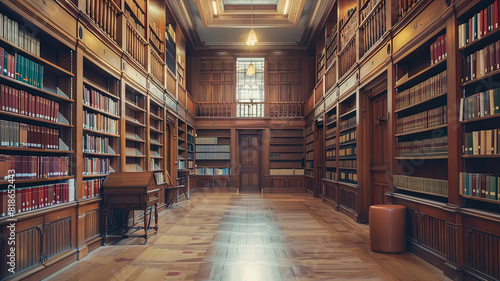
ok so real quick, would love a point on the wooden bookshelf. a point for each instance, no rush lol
(213, 158)
(286, 157)
(156, 136)
(135, 145)
(347, 141)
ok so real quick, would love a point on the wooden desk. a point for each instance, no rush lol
(131, 191)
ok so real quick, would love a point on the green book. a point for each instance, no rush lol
(496, 98)
(493, 188)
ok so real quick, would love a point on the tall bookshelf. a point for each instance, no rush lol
(347, 149)
(479, 109)
(156, 136)
(36, 138)
(331, 145)
(101, 130)
(213, 158)
(181, 144)
(135, 130)
(190, 133)
(286, 159)
(348, 26)
(421, 120)
(309, 156)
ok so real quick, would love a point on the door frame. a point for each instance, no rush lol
(239, 133)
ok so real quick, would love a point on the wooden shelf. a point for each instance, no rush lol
(480, 199)
(492, 156)
(348, 113)
(101, 90)
(39, 212)
(340, 168)
(155, 143)
(347, 19)
(135, 156)
(347, 158)
(38, 180)
(353, 185)
(100, 133)
(102, 154)
(100, 111)
(33, 90)
(406, 80)
(348, 129)
(34, 119)
(136, 140)
(155, 117)
(133, 107)
(479, 79)
(35, 150)
(134, 122)
(419, 103)
(422, 130)
(95, 176)
(151, 129)
(53, 67)
(421, 157)
(478, 41)
(347, 143)
(480, 118)
(423, 192)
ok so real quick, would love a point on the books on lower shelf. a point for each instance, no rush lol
(159, 177)
(213, 156)
(348, 176)
(22, 69)
(347, 136)
(480, 24)
(14, 134)
(100, 101)
(480, 105)
(24, 103)
(429, 147)
(331, 175)
(430, 88)
(330, 142)
(212, 148)
(34, 167)
(426, 185)
(348, 164)
(181, 164)
(92, 188)
(212, 171)
(438, 49)
(35, 197)
(99, 122)
(286, 172)
(348, 151)
(423, 120)
(207, 140)
(96, 166)
(330, 153)
(97, 144)
(484, 142)
(19, 35)
(480, 185)
(481, 62)
(348, 123)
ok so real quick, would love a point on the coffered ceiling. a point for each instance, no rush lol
(224, 24)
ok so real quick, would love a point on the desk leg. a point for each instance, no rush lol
(146, 226)
(156, 217)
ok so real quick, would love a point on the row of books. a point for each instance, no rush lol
(331, 118)
(96, 144)
(92, 188)
(310, 146)
(207, 140)
(348, 26)
(310, 164)
(423, 148)
(155, 163)
(190, 156)
(438, 49)
(348, 123)
(213, 156)
(309, 155)
(347, 136)
(374, 27)
(213, 148)
(309, 138)
(33, 198)
(484, 142)
(330, 142)
(330, 153)
(331, 132)
(480, 105)
(96, 166)
(14, 134)
(19, 35)
(181, 164)
(159, 177)
(423, 120)
(405, 6)
(99, 122)
(276, 156)
(330, 163)
(190, 138)
(308, 173)
(430, 88)
(331, 174)
(348, 151)
(347, 56)
(138, 10)
(309, 129)
(100, 101)
(480, 185)
(24, 103)
(286, 172)
(481, 62)
(22, 69)
(212, 171)
(479, 24)
(348, 176)
(34, 167)
(348, 164)
(190, 147)
(421, 184)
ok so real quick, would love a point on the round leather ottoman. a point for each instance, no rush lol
(387, 228)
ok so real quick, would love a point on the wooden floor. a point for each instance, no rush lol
(236, 237)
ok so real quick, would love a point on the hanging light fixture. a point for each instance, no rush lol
(252, 37)
(251, 70)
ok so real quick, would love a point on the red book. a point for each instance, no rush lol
(13, 61)
(33, 106)
(483, 186)
(485, 21)
(19, 201)
(492, 57)
(3, 196)
(34, 196)
(494, 15)
(58, 193)
(2, 97)
(433, 60)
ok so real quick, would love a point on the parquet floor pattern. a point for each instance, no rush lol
(254, 237)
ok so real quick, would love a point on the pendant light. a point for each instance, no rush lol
(252, 37)
(251, 70)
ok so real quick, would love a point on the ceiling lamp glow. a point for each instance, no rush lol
(252, 38)
(214, 6)
(286, 6)
(251, 70)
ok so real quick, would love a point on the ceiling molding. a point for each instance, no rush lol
(316, 19)
(184, 18)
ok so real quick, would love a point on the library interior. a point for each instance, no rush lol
(250, 140)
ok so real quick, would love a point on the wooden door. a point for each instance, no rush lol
(250, 162)
(379, 159)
